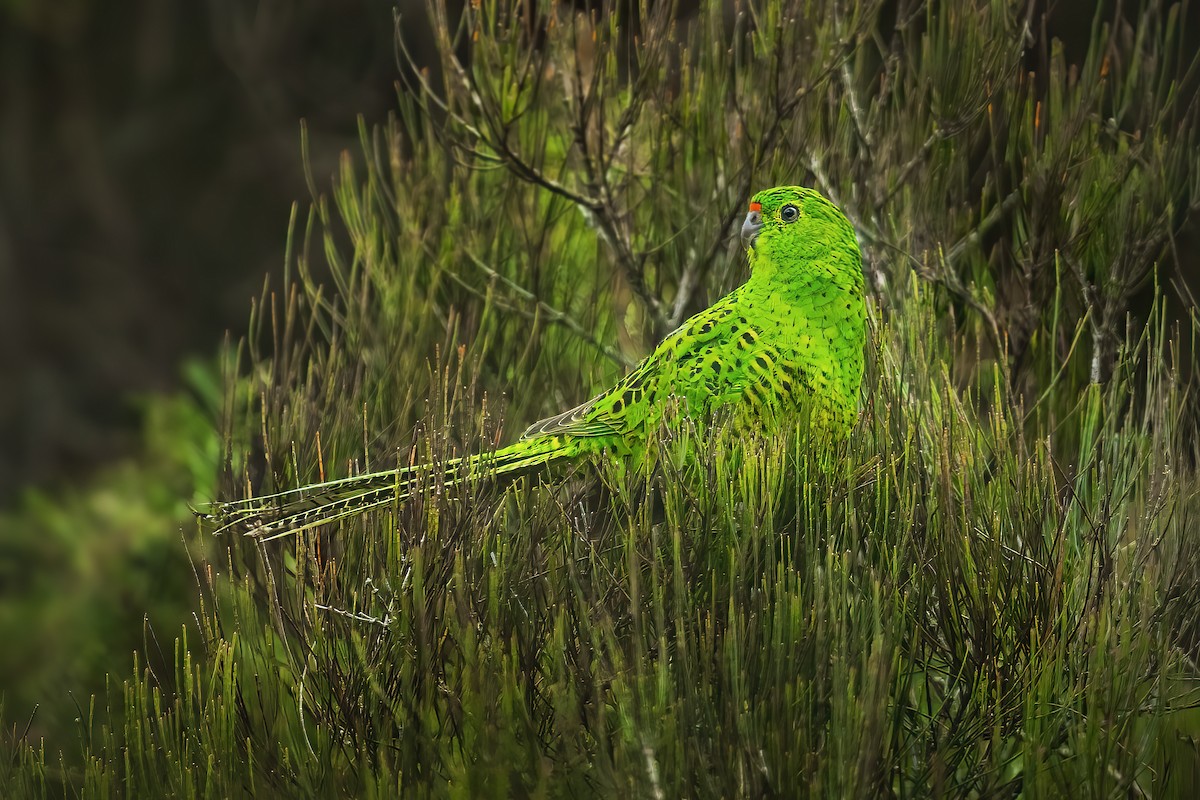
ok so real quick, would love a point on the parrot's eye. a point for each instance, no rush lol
(789, 213)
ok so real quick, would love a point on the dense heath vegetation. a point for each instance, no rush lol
(995, 589)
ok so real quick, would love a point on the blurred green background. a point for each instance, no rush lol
(149, 158)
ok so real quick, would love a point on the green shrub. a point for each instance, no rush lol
(999, 593)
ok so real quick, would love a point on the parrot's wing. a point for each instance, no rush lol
(625, 406)
(606, 414)
(575, 422)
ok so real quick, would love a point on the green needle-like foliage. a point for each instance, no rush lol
(990, 586)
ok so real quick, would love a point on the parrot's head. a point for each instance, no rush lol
(790, 224)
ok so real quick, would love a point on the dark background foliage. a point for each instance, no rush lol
(149, 154)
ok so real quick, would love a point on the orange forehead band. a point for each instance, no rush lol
(756, 206)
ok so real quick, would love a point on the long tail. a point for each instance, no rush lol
(290, 512)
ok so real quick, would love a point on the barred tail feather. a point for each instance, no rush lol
(295, 510)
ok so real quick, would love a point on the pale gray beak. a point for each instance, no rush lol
(751, 227)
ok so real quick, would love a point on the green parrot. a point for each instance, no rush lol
(785, 346)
